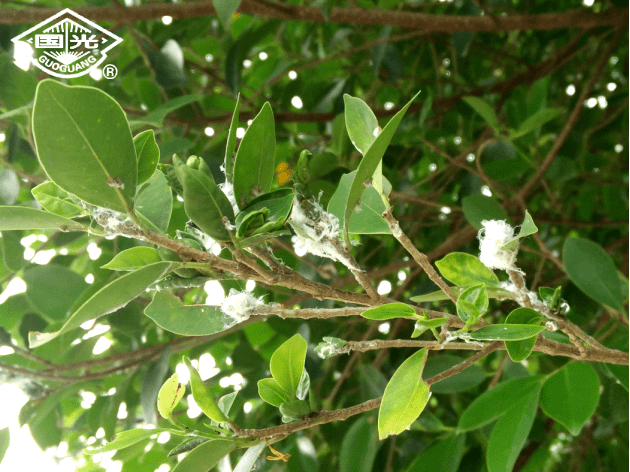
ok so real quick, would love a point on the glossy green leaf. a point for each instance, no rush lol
(56, 200)
(206, 204)
(359, 446)
(536, 120)
(125, 439)
(154, 203)
(367, 219)
(133, 258)
(169, 395)
(570, 396)
(169, 313)
(405, 396)
(53, 289)
(110, 298)
(527, 228)
(361, 123)
(9, 187)
(18, 218)
(480, 207)
(495, 402)
(228, 161)
(464, 270)
(202, 396)
(204, 457)
(295, 409)
(443, 455)
(84, 144)
(485, 111)
(287, 363)
(520, 350)
(389, 311)
(510, 433)
(472, 303)
(593, 271)
(272, 393)
(255, 159)
(370, 162)
(465, 380)
(423, 325)
(225, 9)
(147, 154)
(512, 332)
(156, 116)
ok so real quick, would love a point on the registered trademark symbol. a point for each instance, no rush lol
(110, 71)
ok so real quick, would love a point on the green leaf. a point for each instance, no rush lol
(367, 219)
(152, 381)
(110, 298)
(443, 455)
(536, 121)
(156, 117)
(84, 144)
(228, 161)
(361, 123)
(206, 204)
(17, 86)
(593, 271)
(125, 439)
(18, 218)
(133, 258)
(169, 313)
(255, 159)
(405, 396)
(527, 227)
(422, 325)
(370, 162)
(493, 292)
(570, 396)
(520, 350)
(510, 433)
(295, 409)
(186, 446)
(9, 187)
(472, 303)
(389, 311)
(550, 296)
(169, 395)
(53, 289)
(147, 154)
(359, 446)
(154, 203)
(56, 200)
(272, 393)
(479, 207)
(464, 270)
(272, 209)
(204, 457)
(329, 347)
(465, 380)
(5, 437)
(485, 110)
(287, 363)
(512, 332)
(225, 9)
(251, 455)
(495, 402)
(12, 251)
(202, 396)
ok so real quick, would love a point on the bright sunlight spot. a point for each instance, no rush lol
(588, 3)
(17, 285)
(402, 275)
(591, 102)
(193, 409)
(247, 63)
(611, 86)
(384, 327)
(22, 54)
(432, 167)
(207, 367)
(250, 285)
(570, 91)
(167, 20)
(215, 292)
(240, 132)
(263, 56)
(164, 437)
(296, 102)
(384, 287)
(6, 350)
(93, 251)
(247, 407)
(209, 131)
(388, 105)
(182, 371)
(470, 157)
(2, 137)
(292, 75)
(96, 74)
(485, 190)
(445, 210)
(618, 148)
(102, 345)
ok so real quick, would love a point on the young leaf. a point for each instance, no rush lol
(169, 395)
(405, 396)
(147, 154)
(464, 270)
(295, 409)
(154, 203)
(570, 396)
(84, 144)
(255, 159)
(169, 313)
(513, 332)
(472, 303)
(17, 218)
(527, 227)
(133, 258)
(479, 207)
(422, 325)
(202, 396)
(287, 363)
(127, 438)
(204, 457)
(550, 296)
(389, 311)
(593, 271)
(520, 350)
(56, 200)
(110, 298)
(272, 393)
(370, 162)
(228, 161)
(493, 292)
(485, 110)
(361, 123)
(205, 204)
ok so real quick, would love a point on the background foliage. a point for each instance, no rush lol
(508, 118)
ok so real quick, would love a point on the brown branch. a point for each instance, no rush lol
(428, 23)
